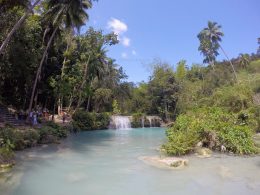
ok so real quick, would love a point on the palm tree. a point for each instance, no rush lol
(66, 13)
(214, 34)
(18, 24)
(244, 60)
(209, 50)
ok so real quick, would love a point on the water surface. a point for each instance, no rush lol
(106, 163)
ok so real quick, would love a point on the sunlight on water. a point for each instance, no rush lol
(107, 162)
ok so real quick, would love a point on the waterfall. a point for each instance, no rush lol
(121, 122)
(150, 121)
(142, 122)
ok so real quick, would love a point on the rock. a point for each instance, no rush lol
(168, 162)
(6, 167)
(199, 144)
(203, 152)
(223, 148)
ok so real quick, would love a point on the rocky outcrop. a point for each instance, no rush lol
(203, 152)
(167, 162)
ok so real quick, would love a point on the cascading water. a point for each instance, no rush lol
(121, 122)
(150, 121)
(142, 122)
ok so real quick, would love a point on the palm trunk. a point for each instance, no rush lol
(213, 65)
(40, 67)
(62, 75)
(63, 64)
(59, 106)
(70, 102)
(83, 83)
(89, 97)
(230, 63)
(17, 26)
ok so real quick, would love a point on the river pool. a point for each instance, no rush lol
(107, 163)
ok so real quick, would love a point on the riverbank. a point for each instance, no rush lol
(14, 139)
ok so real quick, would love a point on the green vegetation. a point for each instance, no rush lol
(12, 139)
(45, 63)
(84, 121)
(213, 127)
(215, 110)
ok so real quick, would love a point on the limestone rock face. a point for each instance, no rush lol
(167, 162)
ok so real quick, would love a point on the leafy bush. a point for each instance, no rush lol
(102, 120)
(51, 132)
(25, 139)
(237, 139)
(84, 121)
(234, 98)
(213, 127)
(6, 155)
(137, 120)
(254, 118)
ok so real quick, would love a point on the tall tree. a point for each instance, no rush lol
(68, 14)
(29, 10)
(208, 49)
(93, 57)
(213, 34)
(181, 70)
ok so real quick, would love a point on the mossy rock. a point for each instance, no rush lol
(203, 152)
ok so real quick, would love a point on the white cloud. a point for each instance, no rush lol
(126, 41)
(124, 55)
(117, 26)
(134, 52)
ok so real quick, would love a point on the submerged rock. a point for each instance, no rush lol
(168, 162)
(203, 152)
(6, 167)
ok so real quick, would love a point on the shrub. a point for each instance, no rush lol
(84, 121)
(234, 98)
(137, 120)
(238, 139)
(211, 126)
(102, 120)
(6, 155)
(51, 132)
(25, 139)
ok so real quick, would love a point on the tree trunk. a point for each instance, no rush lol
(40, 67)
(71, 99)
(59, 106)
(230, 63)
(62, 75)
(83, 83)
(63, 64)
(213, 65)
(89, 97)
(17, 26)
(36, 99)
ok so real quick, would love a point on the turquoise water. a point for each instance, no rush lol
(107, 163)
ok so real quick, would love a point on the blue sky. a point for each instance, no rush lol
(167, 29)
